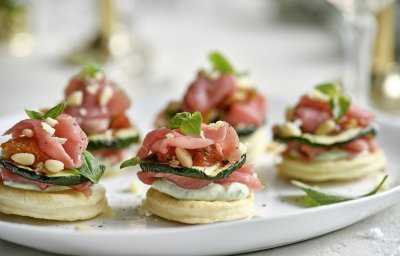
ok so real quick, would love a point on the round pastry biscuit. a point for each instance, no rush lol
(256, 144)
(332, 170)
(67, 205)
(197, 212)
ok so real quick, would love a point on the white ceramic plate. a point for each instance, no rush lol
(278, 221)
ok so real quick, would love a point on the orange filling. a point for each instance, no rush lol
(201, 157)
(24, 145)
(120, 122)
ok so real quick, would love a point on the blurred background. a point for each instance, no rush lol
(153, 48)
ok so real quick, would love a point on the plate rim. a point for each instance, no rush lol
(191, 228)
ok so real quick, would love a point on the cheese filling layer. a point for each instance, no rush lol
(211, 192)
(33, 187)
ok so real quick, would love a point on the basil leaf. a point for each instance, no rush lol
(339, 105)
(177, 119)
(90, 69)
(330, 89)
(220, 63)
(131, 162)
(34, 114)
(324, 197)
(56, 111)
(90, 169)
(377, 187)
(52, 113)
(303, 201)
(192, 125)
(186, 122)
(319, 195)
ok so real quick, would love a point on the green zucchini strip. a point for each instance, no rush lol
(329, 140)
(150, 165)
(29, 174)
(115, 143)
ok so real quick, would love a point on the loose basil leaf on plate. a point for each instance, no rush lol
(90, 168)
(324, 197)
(186, 122)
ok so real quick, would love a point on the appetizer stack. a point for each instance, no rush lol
(328, 138)
(99, 108)
(45, 171)
(224, 94)
(197, 172)
(195, 162)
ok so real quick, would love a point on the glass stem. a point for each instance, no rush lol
(358, 39)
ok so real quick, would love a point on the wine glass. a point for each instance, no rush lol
(359, 30)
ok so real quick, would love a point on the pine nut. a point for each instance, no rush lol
(23, 158)
(184, 157)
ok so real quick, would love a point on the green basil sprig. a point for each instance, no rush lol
(220, 63)
(90, 69)
(90, 168)
(324, 197)
(339, 102)
(186, 122)
(34, 114)
(52, 113)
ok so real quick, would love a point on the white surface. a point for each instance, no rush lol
(284, 60)
(346, 241)
(278, 221)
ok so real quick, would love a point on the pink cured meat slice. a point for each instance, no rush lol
(217, 135)
(94, 125)
(310, 152)
(150, 139)
(354, 147)
(186, 142)
(51, 145)
(118, 103)
(205, 93)
(96, 118)
(77, 140)
(7, 175)
(311, 118)
(361, 144)
(314, 112)
(85, 188)
(224, 137)
(181, 181)
(247, 113)
(243, 175)
(305, 101)
(230, 146)
(360, 113)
